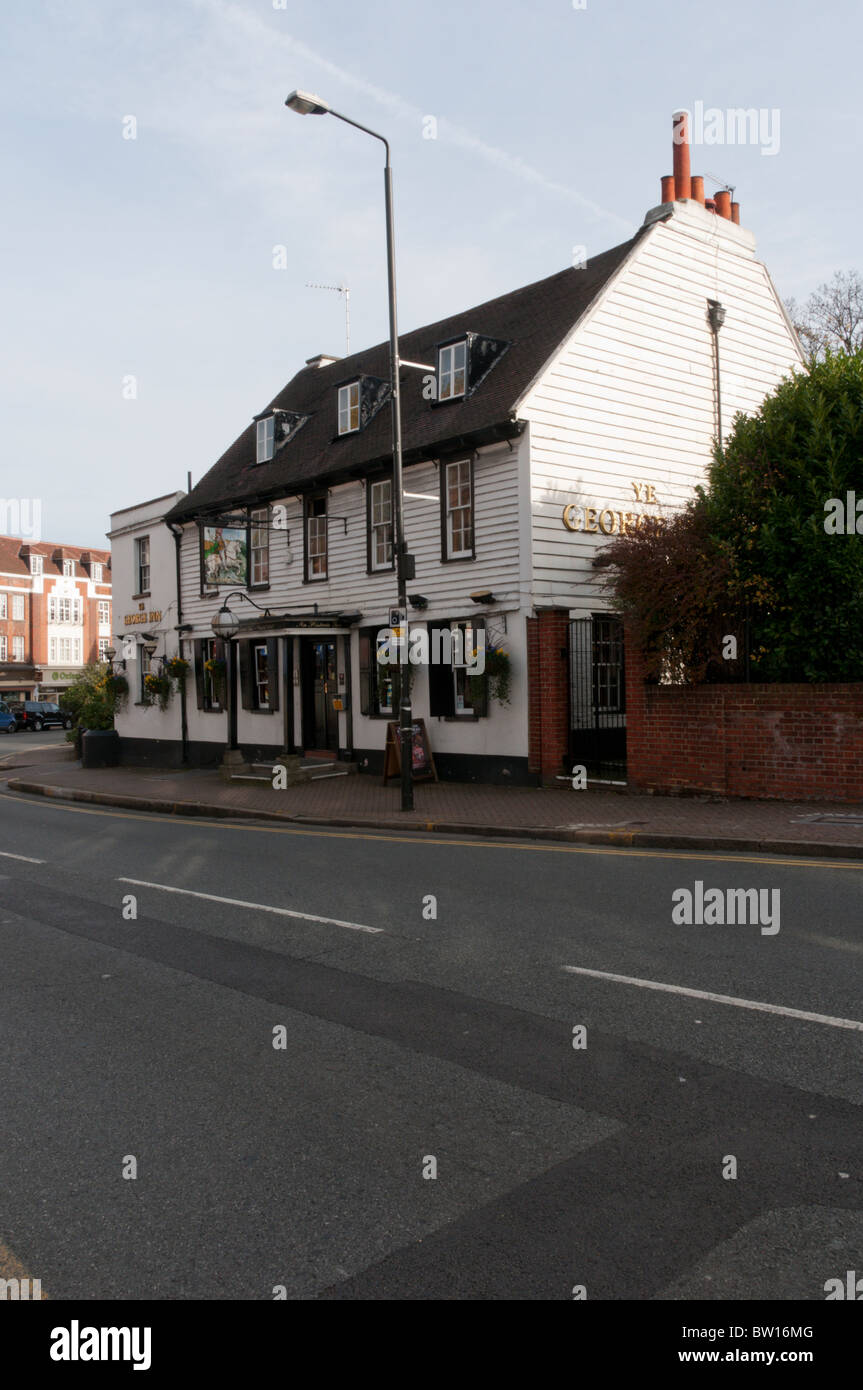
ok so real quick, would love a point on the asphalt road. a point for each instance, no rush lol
(144, 1030)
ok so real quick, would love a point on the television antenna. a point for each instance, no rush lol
(339, 289)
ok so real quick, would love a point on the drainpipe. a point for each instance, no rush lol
(716, 315)
(177, 533)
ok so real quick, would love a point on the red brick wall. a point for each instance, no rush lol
(548, 692)
(790, 742)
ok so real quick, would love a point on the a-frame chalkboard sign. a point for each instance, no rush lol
(422, 759)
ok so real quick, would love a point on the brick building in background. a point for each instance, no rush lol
(55, 615)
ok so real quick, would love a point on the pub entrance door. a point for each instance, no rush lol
(318, 683)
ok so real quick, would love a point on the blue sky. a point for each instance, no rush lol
(153, 257)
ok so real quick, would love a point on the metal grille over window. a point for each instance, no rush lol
(598, 697)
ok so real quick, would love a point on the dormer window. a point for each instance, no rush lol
(35, 564)
(97, 573)
(266, 440)
(274, 429)
(68, 569)
(463, 365)
(349, 407)
(452, 371)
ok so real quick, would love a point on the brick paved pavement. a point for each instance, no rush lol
(560, 813)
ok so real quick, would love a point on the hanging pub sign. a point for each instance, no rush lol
(422, 761)
(225, 552)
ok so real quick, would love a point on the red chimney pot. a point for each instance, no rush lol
(680, 138)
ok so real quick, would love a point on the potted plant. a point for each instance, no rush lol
(92, 700)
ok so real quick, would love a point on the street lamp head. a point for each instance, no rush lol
(225, 624)
(306, 104)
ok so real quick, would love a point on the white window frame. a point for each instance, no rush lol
(3, 647)
(17, 648)
(18, 610)
(68, 569)
(3, 605)
(259, 554)
(36, 566)
(460, 672)
(452, 365)
(381, 522)
(103, 610)
(103, 648)
(142, 547)
(261, 676)
(265, 439)
(463, 478)
(97, 573)
(316, 542)
(349, 408)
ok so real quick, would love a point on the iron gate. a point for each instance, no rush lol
(597, 697)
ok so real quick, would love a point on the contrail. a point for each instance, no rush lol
(405, 110)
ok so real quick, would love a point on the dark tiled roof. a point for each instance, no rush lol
(12, 562)
(535, 320)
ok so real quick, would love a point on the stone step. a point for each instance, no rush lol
(301, 770)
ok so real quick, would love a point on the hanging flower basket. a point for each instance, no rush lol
(157, 690)
(178, 669)
(217, 670)
(496, 680)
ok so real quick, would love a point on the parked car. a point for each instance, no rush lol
(8, 722)
(40, 714)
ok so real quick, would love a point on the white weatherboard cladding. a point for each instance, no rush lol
(348, 587)
(502, 734)
(631, 397)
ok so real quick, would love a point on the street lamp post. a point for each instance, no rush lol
(226, 625)
(308, 105)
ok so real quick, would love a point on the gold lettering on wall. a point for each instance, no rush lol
(607, 520)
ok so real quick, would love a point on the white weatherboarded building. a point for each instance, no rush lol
(556, 415)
